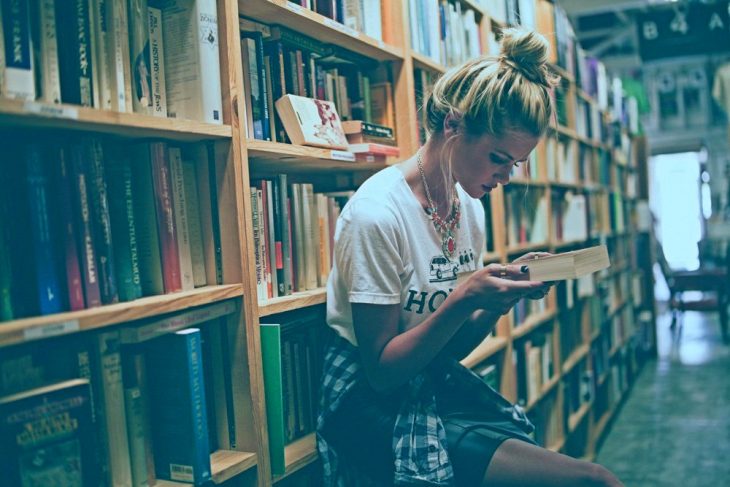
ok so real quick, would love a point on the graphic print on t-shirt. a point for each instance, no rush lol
(443, 269)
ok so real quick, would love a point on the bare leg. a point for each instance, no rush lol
(520, 464)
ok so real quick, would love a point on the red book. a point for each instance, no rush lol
(68, 236)
(165, 217)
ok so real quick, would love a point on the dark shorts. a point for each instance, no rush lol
(361, 431)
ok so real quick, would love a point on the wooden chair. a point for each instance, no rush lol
(712, 282)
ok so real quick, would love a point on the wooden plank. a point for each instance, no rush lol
(575, 419)
(298, 455)
(28, 329)
(324, 29)
(293, 301)
(39, 115)
(544, 391)
(273, 157)
(484, 350)
(227, 464)
(533, 322)
(575, 357)
(421, 61)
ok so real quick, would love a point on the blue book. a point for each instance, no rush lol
(46, 266)
(178, 410)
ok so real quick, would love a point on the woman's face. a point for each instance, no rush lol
(480, 164)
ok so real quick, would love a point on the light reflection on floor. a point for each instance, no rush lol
(674, 429)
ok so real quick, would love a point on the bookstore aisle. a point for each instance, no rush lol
(674, 429)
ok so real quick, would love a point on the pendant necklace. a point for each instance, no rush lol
(444, 227)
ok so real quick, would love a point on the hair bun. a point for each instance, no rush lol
(527, 52)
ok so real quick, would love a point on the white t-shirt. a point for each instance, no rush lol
(387, 251)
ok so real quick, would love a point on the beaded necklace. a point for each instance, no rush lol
(444, 227)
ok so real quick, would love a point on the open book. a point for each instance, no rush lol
(311, 122)
(569, 265)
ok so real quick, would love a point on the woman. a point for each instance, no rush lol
(397, 408)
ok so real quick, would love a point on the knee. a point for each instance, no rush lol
(599, 476)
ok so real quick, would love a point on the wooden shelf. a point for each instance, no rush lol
(572, 185)
(299, 454)
(491, 257)
(275, 157)
(293, 301)
(532, 322)
(484, 350)
(421, 61)
(318, 27)
(28, 329)
(224, 465)
(575, 357)
(544, 391)
(557, 446)
(38, 115)
(528, 182)
(562, 73)
(575, 419)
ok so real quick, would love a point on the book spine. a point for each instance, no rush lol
(74, 55)
(179, 199)
(165, 217)
(270, 251)
(99, 204)
(118, 52)
(195, 230)
(263, 247)
(299, 257)
(124, 231)
(103, 63)
(178, 408)
(48, 59)
(18, 80)
(206, 213)
(136, 408)
(6, 266)
(148, 243)
(279, 201)
(109, 366)
(139, 54)
(85, 227)
(215, 222)
(192, 64)
(2, 54)
(257, 243)
(309, 248)
(157, 58)
(248, 43)
(271, 358)
(47, 282)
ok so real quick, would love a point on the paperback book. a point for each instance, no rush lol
(311, 122)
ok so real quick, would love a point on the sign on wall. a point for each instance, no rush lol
(683, 30)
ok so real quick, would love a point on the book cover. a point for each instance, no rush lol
(179, 199)
(47, 436)
(18, 80)
(157, 63)
(139, 54)
(274, 393)
(45, 45)
(311, 122)
(192, 63)
(74, 54)
(100, 47)
(194, 226)
(178, 408)
(569, 265)
(119, 55)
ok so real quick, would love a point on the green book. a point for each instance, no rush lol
(124, 233)
(145, 218)
(274, 394)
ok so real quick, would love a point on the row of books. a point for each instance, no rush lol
(109, 409)
(293, 235)
(444, 30)
(105, 223)
(546, 418)
(156, 59)
(534, 364)
(278, 61)
(423, 82)
(526, 215)
(526, 308)
(292, 355)
(578, 389)
(569, 216)
(358, 15)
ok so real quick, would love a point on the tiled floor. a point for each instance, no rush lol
(674, 429)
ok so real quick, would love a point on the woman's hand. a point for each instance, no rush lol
(527, 258)
(498, 287)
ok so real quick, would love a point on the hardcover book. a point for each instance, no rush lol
(47, 436)
(311, 122)
(569, 265)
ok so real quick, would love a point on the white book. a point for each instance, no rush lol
(256, 227)
(569, 265)
(180, 210)
(263, 247)
(192, 63)
(354, 14)
(310, 248)
(157, 62)
(195, 231)
(120, 67)
(372, 19)
(139, 54)
(99, 27)
(19, 81)
(48, 52)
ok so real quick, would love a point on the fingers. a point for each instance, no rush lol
(531, 256)
(508, 271)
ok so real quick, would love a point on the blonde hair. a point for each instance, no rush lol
(489, 95)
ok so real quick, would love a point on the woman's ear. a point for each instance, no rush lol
(451, 124)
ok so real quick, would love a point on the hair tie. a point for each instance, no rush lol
(535, 78)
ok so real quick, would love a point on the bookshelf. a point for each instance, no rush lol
(600, 312)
